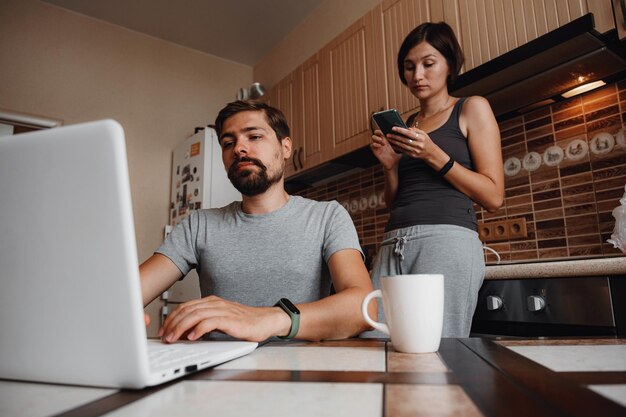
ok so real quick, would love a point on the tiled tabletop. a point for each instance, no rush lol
(357, 377)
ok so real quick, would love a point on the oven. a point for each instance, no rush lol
(581, 306)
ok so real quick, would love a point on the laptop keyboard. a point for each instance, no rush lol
(165, 356)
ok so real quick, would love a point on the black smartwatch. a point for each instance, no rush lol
(294, 314)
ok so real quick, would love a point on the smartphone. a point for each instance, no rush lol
(387, 119)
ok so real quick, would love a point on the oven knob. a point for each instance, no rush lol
(494, 302)
(535, 303)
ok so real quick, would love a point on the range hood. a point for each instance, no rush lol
(530, 76)
(538, 72)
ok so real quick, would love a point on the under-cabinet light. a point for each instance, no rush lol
(583, 89)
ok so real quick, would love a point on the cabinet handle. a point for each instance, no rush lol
(300, 157)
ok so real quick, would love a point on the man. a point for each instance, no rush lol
(271, 246)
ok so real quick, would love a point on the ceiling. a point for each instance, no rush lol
(242, 31)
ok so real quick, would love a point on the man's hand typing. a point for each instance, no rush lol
(196, 318)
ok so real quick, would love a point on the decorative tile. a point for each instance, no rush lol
(567, 114)
(549, 214)
(245, 398)
(410, 362)
(576, 358)
(428, 400)
(24, 399)
(311, 359)
(616, 393)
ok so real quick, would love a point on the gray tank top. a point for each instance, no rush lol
(423, 196)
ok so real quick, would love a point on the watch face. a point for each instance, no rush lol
(290, 306)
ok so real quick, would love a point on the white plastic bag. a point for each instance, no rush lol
(618, 238)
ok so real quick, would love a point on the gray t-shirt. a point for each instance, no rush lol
(258, 259)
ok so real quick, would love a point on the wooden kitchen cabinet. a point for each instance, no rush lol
(485, 29)
(286, 102)
(309, 151)
(282, 96)
(329, 99)
(490, 28)
(298, 97)
(351, 85)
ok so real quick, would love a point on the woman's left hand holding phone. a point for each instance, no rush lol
(412, 142)
(383, 151)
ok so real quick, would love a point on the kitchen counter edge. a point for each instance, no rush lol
(557, 269)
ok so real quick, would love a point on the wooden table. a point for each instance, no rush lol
(361, 377)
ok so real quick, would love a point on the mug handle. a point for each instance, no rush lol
(375, 324)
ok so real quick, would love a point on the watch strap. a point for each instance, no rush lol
(444, 170)
(293, 312)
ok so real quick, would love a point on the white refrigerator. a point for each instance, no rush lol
(199, 181)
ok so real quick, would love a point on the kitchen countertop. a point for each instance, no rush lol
(563, 268)
(367, 377)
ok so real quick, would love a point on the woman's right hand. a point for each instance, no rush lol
(383, 151)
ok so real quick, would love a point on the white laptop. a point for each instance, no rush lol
(70, 299)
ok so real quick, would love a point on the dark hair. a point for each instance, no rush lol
(275, 118)
(441, 37)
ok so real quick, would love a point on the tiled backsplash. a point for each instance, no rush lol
(566, 171)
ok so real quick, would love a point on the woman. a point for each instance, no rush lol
(448, 158)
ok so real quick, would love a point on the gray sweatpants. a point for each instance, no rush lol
(454, 251)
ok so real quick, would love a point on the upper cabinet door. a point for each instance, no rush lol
(490, 28)
(398, 19)
(351, 77)
(485, 29)
(286, 97)
(308, 89)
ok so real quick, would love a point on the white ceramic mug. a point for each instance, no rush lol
(413, 306)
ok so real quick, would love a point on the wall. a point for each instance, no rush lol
(63, 65)
(567, 206)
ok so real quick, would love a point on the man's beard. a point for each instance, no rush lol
(250, 183)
